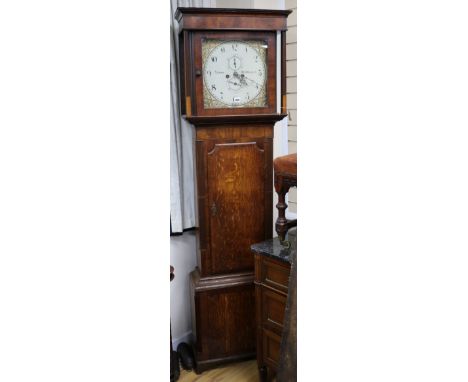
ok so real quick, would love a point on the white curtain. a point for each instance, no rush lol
(183, 214)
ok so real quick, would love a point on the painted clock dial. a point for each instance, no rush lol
(234, 73)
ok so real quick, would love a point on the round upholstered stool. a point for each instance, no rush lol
(285, 168)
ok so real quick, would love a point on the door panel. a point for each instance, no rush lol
(236, 180)
(228, 325)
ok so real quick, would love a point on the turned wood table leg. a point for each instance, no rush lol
(281, 224)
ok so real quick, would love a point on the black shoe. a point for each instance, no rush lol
(187, 360)
(175, 370)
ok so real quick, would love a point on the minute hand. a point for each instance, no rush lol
(247, 78)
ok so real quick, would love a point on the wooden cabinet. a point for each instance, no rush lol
(271, 289)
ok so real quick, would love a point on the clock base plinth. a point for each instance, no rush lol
(213, 363)
(223, 317)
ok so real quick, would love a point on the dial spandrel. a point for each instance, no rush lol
(234, 73)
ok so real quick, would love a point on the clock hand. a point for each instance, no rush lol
(234, 83)
(247, 78)
(241, 78)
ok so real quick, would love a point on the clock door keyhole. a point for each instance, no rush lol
(214, 209)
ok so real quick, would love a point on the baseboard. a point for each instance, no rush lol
(185, 337)
(211, 363)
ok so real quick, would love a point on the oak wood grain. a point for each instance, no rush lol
(235, 182)
(231, 19)
(222, 312)
(235, 197)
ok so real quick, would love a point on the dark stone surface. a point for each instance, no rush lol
(273, 248)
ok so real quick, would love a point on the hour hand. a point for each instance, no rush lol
(241, 78)
(234, 84)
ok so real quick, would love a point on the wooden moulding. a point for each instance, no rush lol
(284, 108)
(258, 131)
(208, 364)
(220, 281)
(231, 18)
(215, 121)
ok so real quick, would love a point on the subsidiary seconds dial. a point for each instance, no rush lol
(234, 74)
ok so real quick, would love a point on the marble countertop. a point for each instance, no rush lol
(273, 248)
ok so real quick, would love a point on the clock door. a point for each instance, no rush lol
(234, 73)
(236, 179)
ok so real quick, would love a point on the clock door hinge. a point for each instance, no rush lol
(283, 105)
(188, 106)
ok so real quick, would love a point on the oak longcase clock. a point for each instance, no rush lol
(232, 85)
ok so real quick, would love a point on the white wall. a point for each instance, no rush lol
(259, 4)
(234, 3)
(184, 260)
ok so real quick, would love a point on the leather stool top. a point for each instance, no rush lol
(286, 164)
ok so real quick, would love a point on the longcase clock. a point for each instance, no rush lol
(229, 65)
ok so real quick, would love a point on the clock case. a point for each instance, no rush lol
(234, 176)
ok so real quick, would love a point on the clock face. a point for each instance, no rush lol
(234, 73)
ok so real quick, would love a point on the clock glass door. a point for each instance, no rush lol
(234, 73)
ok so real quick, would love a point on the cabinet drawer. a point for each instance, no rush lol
(273, 308)
(271, 348)
(275, 275)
